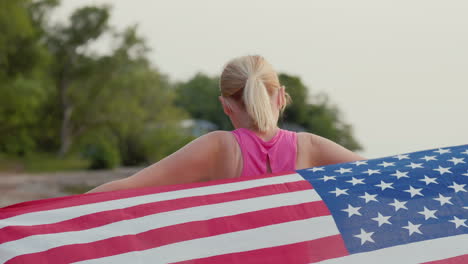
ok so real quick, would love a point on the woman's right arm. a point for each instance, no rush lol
(198, 161)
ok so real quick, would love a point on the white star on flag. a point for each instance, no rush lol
(343, 170)
(428, 158)
(327, 178)
(465, 174)
(360, 162)
(386, 164)
(443, 199)
(401, 156)
(351, 210)
(355, 181)
(456, 161)
(465, 152)
(368, 197)
(428, 180)
(428, 213)
(415, 165)
(339, 191)
(315, 169)
(442, 151)
(385, 185)
(365, 236)
(370, 172)
(414, 191)
(382, 219)
(457, 187)
(443, 170)
(458, 222)
(400, 174)
(398, 205)
(412, 228)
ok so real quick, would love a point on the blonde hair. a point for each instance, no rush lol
(251, 80)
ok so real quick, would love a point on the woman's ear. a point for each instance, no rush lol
(281, 97)
(226, 106)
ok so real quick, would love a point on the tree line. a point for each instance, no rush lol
(59, 96)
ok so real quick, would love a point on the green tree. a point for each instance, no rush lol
(126, 95)
(68, 45)
(119, 93)
(23, 80)
(199, 97)
(296, 112)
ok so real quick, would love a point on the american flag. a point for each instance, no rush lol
(409, 208)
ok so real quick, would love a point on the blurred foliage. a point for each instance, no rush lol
(103, 155)
(161, 142)
(199, 96)
(44, 162)
(38, 162)
(23, 61)
(65, 106)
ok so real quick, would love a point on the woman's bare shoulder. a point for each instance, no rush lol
(220, 138)
(307, 138)
(324, 151)
(219, 134)
(213, 138)
(228, 154)
(304, 135)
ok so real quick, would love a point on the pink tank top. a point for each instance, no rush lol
(281, 150)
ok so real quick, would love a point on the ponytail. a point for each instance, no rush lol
(257, 103)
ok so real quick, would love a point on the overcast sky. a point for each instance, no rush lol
(398, 70)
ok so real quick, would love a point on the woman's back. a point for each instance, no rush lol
(310, 151)
(260, 156)
(297, 153)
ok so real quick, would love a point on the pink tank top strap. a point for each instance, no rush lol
(280, 151)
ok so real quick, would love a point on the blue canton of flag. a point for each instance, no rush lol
(396, 200)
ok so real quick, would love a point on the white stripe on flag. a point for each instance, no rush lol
(251, 239)
(62, 214)
(38, 243)
(417, 252)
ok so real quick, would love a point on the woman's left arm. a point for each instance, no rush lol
(327, 152)
(197, 161)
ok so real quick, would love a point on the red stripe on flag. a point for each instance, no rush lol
(10, 233)
(463, 259)
(173, 234)
(80, 199)
(303, 252)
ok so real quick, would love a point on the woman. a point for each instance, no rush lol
(253, 98)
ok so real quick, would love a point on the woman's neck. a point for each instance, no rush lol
(267, 135)
(264, 135)
(242, 121)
